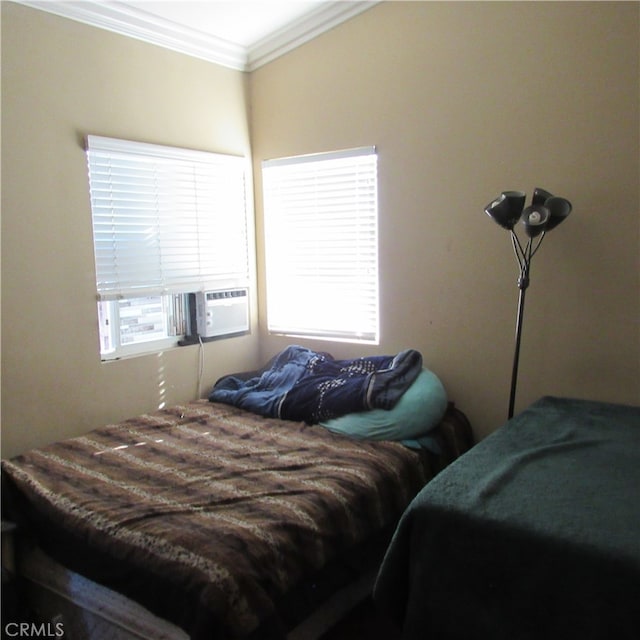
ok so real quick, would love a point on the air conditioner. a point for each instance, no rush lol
(221, 313)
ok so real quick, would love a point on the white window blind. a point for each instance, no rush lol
(321, 234)
(166, 220)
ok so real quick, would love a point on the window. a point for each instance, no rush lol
(321, 237)
(166, 222)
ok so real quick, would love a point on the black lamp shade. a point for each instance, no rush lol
(535, 219)
(507, 208)
(559, 209)
(540, 196)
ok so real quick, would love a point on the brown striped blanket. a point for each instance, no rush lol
(207, 514)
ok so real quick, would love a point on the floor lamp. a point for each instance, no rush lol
(545, 213)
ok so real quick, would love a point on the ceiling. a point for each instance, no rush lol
(243, 22)
(241, 34)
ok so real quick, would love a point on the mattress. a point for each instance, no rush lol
(213, 518)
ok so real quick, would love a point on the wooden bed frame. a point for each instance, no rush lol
(85, 609)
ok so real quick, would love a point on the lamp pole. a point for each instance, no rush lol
(523, 283)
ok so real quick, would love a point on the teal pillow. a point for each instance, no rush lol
(419, 409)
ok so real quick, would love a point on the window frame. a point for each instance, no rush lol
(176, 220)
(299, 192)
(109, 316)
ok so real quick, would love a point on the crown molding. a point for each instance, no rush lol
(135, 23)
(141, 25)
(305, 28)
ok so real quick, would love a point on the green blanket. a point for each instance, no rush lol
(534, 533)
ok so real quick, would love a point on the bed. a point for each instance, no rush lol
(533, 533)
(207, 520)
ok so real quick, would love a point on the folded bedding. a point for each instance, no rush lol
(410, 421)
(301, 384)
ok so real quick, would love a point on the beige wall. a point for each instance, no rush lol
(60, 81)
(464, 100)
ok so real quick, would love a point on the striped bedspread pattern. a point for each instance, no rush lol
(221, 510)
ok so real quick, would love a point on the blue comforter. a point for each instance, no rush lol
(301, 384)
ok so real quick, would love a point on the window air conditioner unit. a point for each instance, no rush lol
(221, 313)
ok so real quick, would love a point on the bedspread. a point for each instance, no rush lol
(301, 384)
(205, 513)
(532, 534)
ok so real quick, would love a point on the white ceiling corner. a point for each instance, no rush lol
(240, 34)
(306, 27)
